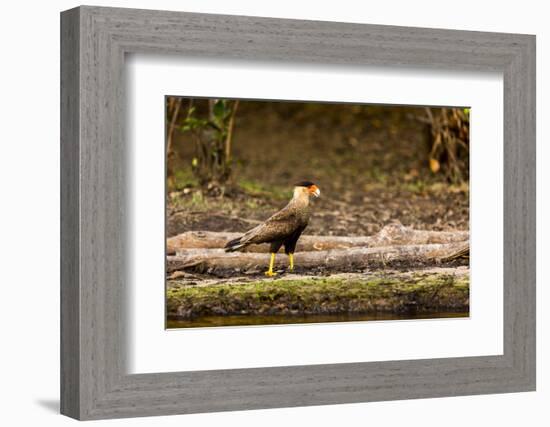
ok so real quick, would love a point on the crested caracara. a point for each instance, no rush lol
(282, 228)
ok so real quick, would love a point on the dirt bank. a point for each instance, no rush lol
(371, 166)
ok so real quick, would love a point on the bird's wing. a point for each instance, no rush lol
(278, 226)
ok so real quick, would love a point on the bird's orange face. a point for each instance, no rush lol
(314, 190)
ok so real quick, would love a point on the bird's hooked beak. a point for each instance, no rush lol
(314, 190)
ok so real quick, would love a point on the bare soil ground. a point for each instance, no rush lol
(370, 166)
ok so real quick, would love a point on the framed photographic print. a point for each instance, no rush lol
(303, 212)
(231, 207)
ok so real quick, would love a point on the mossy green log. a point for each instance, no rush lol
(401, 294)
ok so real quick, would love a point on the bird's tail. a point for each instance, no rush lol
(234, 245)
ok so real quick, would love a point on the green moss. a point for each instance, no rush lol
(196, 201)
(257, 189)
(321, 295)
(182, 178)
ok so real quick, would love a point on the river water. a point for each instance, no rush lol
(254, 320)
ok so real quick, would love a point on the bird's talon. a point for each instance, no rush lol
(270, 273)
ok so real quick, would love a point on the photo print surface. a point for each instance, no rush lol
(283, 212)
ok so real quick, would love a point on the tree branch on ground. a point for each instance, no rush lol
(392, 234)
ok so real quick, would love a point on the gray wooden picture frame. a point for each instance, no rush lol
(94, 381)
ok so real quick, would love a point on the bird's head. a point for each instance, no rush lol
(306, 188)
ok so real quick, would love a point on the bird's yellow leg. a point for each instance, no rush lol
(291, 261)
(270, 272)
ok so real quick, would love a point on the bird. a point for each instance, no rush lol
(283, 227)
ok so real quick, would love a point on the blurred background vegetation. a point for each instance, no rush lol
(231, 162)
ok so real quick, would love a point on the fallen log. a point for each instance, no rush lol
(212, 260)
(391, 235)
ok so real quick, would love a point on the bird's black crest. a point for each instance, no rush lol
(304, 184)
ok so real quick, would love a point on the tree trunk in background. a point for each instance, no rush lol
(173, 107)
